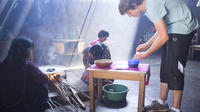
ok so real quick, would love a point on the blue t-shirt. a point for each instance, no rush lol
(176, 14)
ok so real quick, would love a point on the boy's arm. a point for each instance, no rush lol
(146, 45)
(152, 39)
(162, 38)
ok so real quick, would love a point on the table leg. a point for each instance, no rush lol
(141, 98)
(99, 89)
(91, 85)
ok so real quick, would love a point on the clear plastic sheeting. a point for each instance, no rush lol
(198, 3)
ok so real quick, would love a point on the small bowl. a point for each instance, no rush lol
(103, 62)
(133, 63)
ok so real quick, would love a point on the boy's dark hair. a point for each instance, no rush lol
(103, 33)
(97, 51)
(126, 5)
(19, 48)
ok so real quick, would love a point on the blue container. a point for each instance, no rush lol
(133, 63)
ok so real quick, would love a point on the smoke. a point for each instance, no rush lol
(55, 27)
(105, 15)
(62, 33)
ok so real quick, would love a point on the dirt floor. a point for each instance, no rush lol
(191, 96)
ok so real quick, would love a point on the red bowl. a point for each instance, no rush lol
(103, 62)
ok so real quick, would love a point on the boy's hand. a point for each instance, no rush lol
(140, 55)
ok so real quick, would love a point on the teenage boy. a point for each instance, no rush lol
(175, 26)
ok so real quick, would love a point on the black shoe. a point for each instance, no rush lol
(155, 106)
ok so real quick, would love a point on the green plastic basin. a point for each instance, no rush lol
(115, 92)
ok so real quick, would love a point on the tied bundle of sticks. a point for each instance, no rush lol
(66, 93)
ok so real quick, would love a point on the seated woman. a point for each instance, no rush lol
(90, 54)
(23, 85)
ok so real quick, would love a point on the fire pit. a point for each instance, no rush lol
(57, 76)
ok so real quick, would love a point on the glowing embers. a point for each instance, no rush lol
(66, 93)
(54, 77)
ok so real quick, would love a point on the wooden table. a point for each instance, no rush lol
(116, 74)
